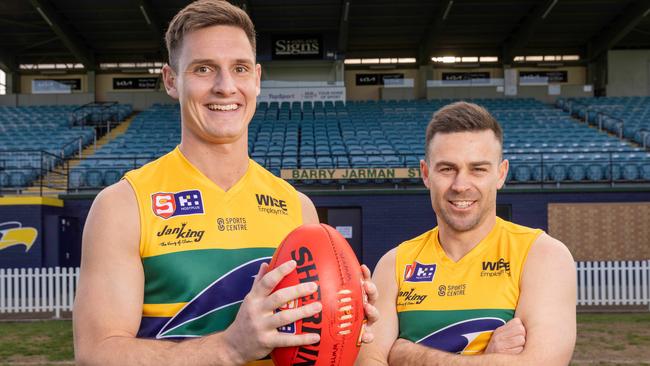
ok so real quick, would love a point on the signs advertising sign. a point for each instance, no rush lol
(351, 173)
(135, 83)
(376, 79)
(297, 94)
(52, 86)
(543, 77)
(295, 47)
(478, 76)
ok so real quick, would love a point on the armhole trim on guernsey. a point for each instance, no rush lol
(397, 275)
(141, 245)
(297, 195)
(525, 258)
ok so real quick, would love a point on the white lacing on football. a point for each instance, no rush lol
(345, 307)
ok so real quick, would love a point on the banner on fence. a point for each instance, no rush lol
(351, 173)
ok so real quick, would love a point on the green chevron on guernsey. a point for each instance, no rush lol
(415, 325)
(179, 277)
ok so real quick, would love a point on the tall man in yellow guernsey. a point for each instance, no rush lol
(475, 284)
(178, 249)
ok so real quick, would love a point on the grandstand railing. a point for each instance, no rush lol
(605, 283)
(101, 115)
(543, 169)
(23, 168)
(620, 124)
(556, 167)
(77, 143)
(570, 104)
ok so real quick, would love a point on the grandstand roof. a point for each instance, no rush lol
(89, 32)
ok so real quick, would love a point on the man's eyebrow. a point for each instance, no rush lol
(479, 163)
(445, 163)
(208, 61)
(474, 163)
(244, 61)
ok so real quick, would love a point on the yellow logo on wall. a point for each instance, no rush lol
(13, 233)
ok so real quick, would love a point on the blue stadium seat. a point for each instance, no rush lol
(94, 178)
(111, 176)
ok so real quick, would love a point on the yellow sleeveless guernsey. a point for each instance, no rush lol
(200, 246)
(455, 306)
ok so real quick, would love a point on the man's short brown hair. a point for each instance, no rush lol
(202, 14)
(461, 117)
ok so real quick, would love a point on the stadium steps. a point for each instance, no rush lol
(56, 181)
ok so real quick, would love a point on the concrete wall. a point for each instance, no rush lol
(140, 100)
(15, 100)
(628, 73)
(463, 92)
(327, 71)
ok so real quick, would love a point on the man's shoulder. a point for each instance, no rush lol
(119, 194)
(266, 177)
(152, 167)
(550, 247)
(514, 228)
(418, 240)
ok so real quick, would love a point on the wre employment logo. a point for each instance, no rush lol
(269, 204)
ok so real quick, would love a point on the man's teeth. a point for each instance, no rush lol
(223, 107)
(462, 204)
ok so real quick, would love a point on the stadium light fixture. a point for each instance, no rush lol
(488, 59)
(368, 61)
(469, 59)
(352, 61)
(407, 60)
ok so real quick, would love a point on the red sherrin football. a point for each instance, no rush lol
(325, 257)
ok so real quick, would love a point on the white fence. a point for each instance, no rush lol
(614, 283)
(53, 289)
(38, 290)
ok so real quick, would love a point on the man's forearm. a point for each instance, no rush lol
(210, 350)
(408, 353)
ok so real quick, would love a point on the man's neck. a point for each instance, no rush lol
(457, 244)
(223, 164)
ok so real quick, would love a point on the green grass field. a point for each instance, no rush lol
(603, 339)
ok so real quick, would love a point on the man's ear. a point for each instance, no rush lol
(169, 79)
(424, 172)
(503, 173)
(258, 77)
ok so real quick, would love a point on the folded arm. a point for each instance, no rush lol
(546, 308)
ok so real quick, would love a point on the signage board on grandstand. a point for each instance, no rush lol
(52, 86)
(543, 77)
(297, 47)
(135, 83)
(352, 173)
(376, 79)
(298, 94)
(477, 77)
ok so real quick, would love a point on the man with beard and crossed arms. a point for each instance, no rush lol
(178, 250)
(476, 284)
